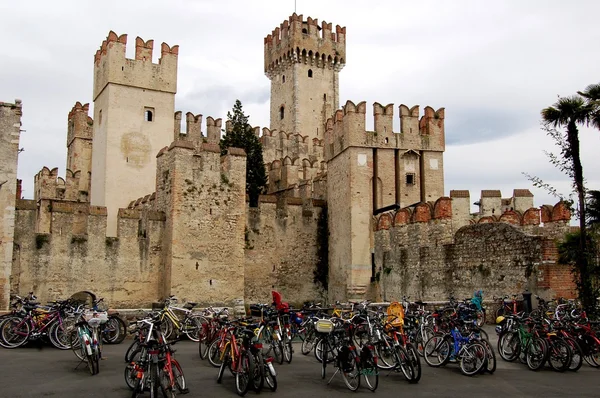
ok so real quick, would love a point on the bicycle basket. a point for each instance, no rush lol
(324, 326)
(94, 316)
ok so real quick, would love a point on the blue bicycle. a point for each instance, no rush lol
(468, 351)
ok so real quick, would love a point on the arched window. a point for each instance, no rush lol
(148, 114)
(281, 112)
(283, 78)
(310, 73)
(305, 31)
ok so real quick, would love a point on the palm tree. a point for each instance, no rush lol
(569, 112)
(592, 95)
(593, 209)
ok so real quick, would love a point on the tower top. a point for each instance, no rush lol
(296, 39)
(111, 65)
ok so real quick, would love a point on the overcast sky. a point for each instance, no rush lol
(492, 65)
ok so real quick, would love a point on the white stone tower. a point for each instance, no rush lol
(134, 103)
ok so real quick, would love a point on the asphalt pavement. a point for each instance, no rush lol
(43, 371)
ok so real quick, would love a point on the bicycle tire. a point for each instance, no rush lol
(203, 338)
(413, 356)
(369, 368)
(15, 332)
(509, 346)
(114, 330)
(130, 373)
(96, 361)
(308, 343)
(56, 334)
(536, 354)
(167, 327)
(180, 382)
(139, 388)
(287, 350)
(271, 380)
(437, 351)
(472, 359)
(134, 346)
(242, 374)
(2, 320)
(351, 376)
(214, 354)
(166, 389)
(257, 371)
(324, 354)
(154, 380)
(577, 357)
(559, 354)
(222, 369)
(90, 363)
(404, 363)
(385, 356)
(278, 351)
(191, 327)
(490, 365)
(76, 345)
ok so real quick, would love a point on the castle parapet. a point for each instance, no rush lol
(111, 65)
(80, 125)
(299, 40)
(347, 128)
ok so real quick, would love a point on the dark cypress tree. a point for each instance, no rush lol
(242, 136)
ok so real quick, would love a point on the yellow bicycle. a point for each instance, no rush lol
(190, 325)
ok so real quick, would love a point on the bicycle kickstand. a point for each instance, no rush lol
(334, 373)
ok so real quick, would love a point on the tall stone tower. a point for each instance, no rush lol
(368, 171)
(80, 133)
(134, 103)
(303, 60)
(10, 129)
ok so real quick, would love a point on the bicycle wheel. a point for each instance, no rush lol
(437, 351)
(58, 336)
(385, 355)
(369, 368)
(166, 389)
(15, 332)
(559, 354)
(287, 350)
(133, 347)
(90, 363)
(154, 380)
(480, 318)
(179, 376)
(271, 378)
(422, 336)
(351, 374)
(308, 343)
(535, 355)
(114, 331)
(490, 365)
(406, 365)
(222, 368)
(203, 338)
(214, 353)
(131, 368)
(257, 371)
(324, 355)
(167, 328)
(472, 359)
(242, 374)
(277, 351)
(76, 345)
(192, 327)
(509, 346)
(577, 356)
(413, 356)
(96, 361)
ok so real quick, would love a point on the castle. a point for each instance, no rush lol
(146, 210)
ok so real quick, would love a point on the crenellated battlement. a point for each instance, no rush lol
(293, 172)
(112, 66)
(418, 133)
(303, 41)
(80, 124)
(49, 186)
(279, 144)
(193, 127)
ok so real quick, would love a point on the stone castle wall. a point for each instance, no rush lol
(281, 249)
(423, 254)
(126, 270)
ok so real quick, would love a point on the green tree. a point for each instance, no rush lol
(242, 136)
(593, 210)
(568, 113)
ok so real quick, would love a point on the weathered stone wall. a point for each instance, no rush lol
(426, 260)
(10, 130)
(281, 250)
(203, 197)
(125, 270)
